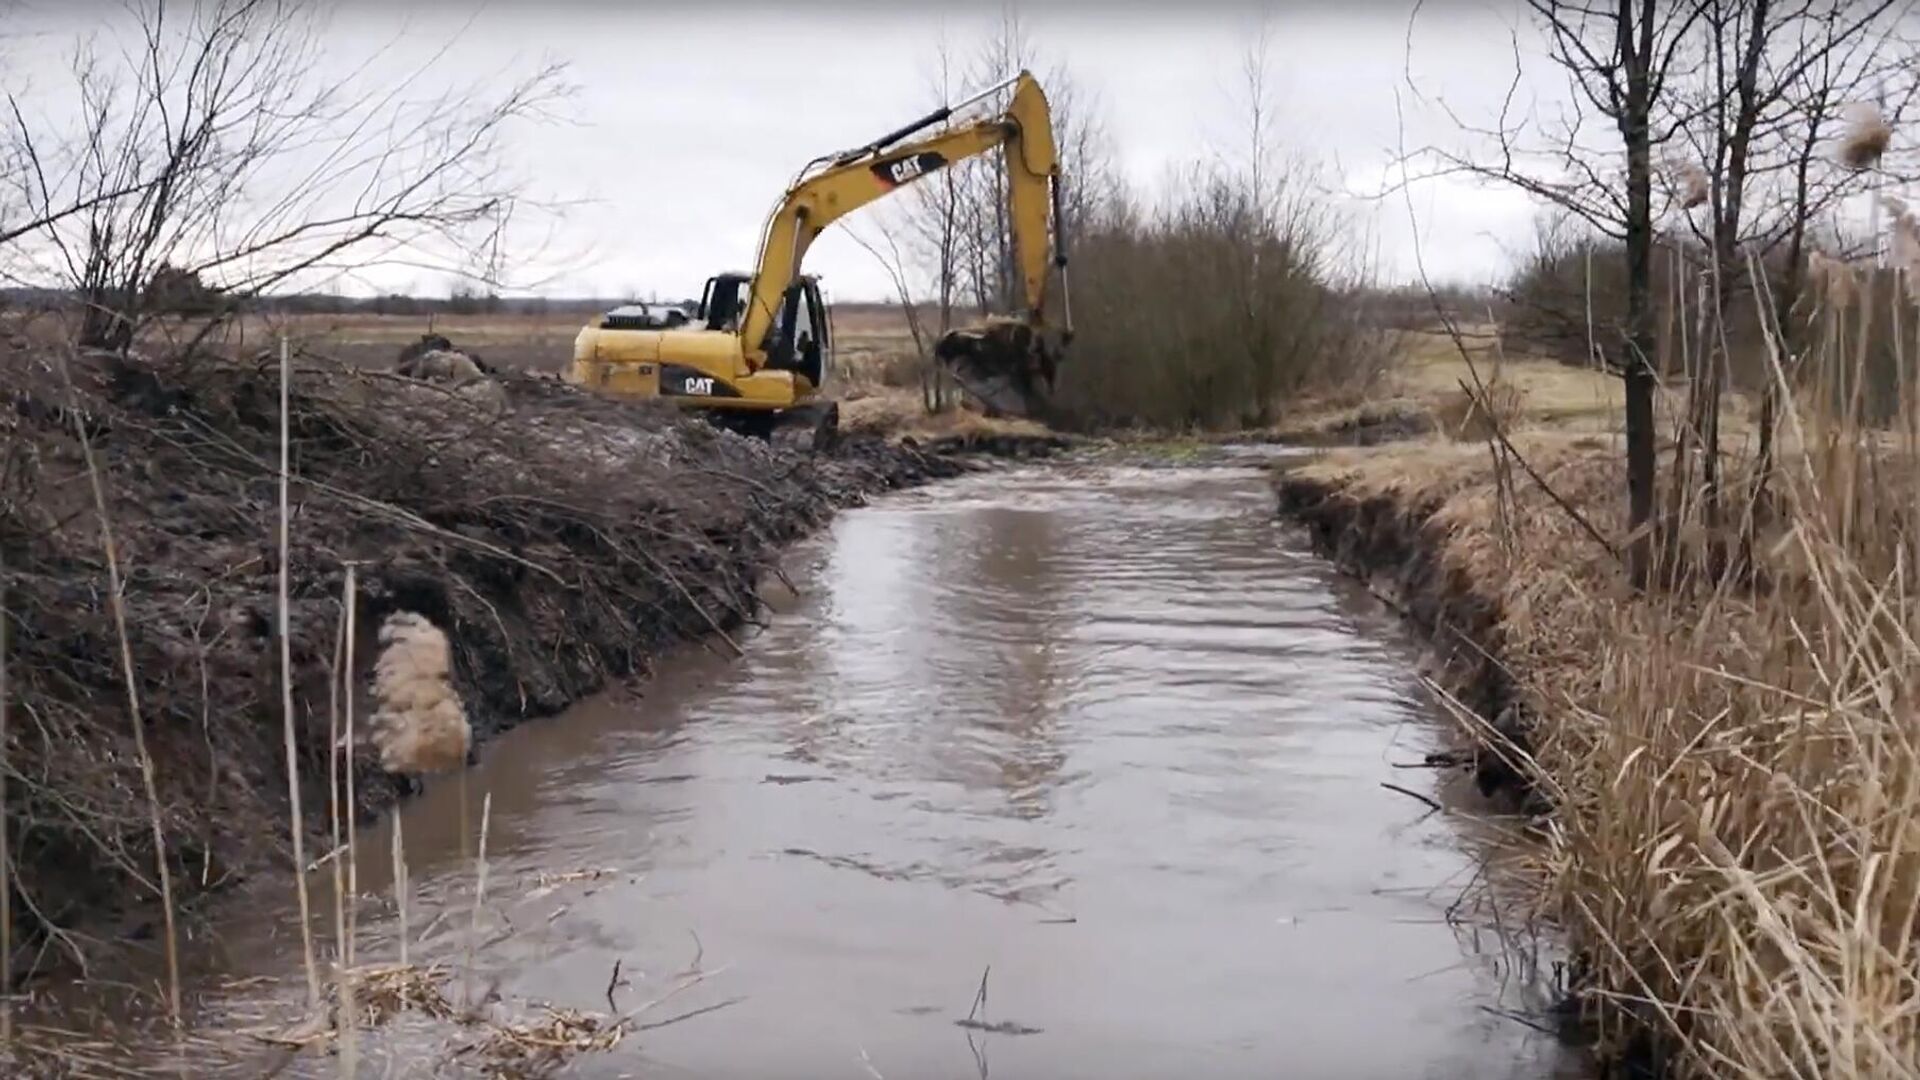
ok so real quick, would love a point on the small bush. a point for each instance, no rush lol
(174, 291)
(1211, 312)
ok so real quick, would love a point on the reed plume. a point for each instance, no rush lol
(420, 725)
(1867, 136)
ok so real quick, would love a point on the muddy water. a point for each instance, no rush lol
(1108, 737)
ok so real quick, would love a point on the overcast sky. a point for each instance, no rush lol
(690, 119)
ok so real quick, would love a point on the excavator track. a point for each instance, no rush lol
(804, 429)
(808, 429)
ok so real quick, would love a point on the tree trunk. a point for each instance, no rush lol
(1636, 38)
(1726, 255)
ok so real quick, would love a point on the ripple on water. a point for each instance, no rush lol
(1113, 734)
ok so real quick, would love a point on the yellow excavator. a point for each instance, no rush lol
(756, 353)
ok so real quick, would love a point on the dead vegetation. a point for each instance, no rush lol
(557, 544)
(1727, 757)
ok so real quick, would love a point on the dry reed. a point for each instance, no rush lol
(1733, 760)
(479, 898)
(401, 888)
(116, 600)
(297, 826)
(1866, 137)
(340, 681)
(349, 618)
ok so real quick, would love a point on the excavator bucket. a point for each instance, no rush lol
(1005, 365)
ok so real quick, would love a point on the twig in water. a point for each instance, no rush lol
(684, 985)
(688, 1015)
(614, 982)
(330, 857)
(1437, 808)
(980, 997)
(1519, 1018)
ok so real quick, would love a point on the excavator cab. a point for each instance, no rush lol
(723, 301)
(801, 338)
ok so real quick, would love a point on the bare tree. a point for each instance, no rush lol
(219, 145)
(1755, 114)
(935, 215)
(1618, 61)
(954, 229)
(1727, 109)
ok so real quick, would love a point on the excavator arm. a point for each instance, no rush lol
(846, 182)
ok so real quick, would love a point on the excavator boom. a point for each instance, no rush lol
(1009, 370)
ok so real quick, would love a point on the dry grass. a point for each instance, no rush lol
(900, 412)
(1734, 763)
(1429, 372)
(1542, 391)
(866, 338)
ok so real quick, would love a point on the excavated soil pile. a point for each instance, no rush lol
(559, 539)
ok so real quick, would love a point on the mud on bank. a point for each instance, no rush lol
(1399, 550)
(560, 540)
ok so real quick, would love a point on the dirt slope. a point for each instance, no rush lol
(560, 540)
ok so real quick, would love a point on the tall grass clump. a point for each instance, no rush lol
(1214, 309)
(1736, 769)
(1729, 757)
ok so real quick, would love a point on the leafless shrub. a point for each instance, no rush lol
(1212, 311)
(210, 145)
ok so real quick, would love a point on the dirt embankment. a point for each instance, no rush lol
(1481, 559)
(1508, 594)
(559, 539)
(1398, 548)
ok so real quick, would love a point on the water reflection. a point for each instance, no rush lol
(1114, 736)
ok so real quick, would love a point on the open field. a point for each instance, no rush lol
(1423, 392)
(868, 336)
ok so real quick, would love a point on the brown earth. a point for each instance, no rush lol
(561, 540)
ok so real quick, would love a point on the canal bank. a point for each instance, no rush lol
(1061, 771)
